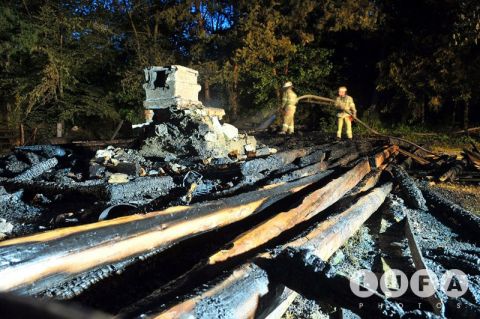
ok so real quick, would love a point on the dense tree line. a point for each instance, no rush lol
(81, 62)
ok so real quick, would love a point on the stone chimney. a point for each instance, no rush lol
(173, 85)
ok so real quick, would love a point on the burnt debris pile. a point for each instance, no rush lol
(201, 221)
(274, 228)
(182, 126)
(46, 186)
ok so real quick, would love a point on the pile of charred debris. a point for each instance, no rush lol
(197, 220)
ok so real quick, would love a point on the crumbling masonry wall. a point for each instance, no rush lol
(182, 125)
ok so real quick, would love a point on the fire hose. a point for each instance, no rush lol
(329, 102)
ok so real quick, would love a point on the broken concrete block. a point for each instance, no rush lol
(182, 125)
(118, 178)
(215, 112)
(177, 168)
(249, 148)
(5, 227)
(210, 137)
(216, 124)
(230, 131)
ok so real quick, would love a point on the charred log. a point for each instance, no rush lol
(457, 217)
(411, 194)
(37, 170)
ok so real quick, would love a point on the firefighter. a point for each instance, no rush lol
(289, 105)
(347, 112)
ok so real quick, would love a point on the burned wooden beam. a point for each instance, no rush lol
(301, 172)
(136, 189)
(37, 170)
(411, 194)
(46, 150)
(370, 180)
(310, 276)
(238, 294)
(420, 160)
(462, 220)
(473, 157)
(34, 263)
(271, 163)
(380, 157)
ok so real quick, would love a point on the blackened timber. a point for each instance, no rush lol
(272, 162)
(314, 157)
(310, 276)
(136, 189)
(383, 155)
(473, 157)
(420, 160)
(369, 181)
(228, 294)
(302, 172)
(411, 194)
(46, 150)
(142, 186)
(37, 170)
(462, 220)
(31, 264)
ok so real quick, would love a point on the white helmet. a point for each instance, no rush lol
(287, 84)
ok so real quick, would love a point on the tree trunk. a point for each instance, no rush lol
(454, 113)
(22, 134)
(201, 22)
(465, 117)
(233, 92)
(206, 87)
